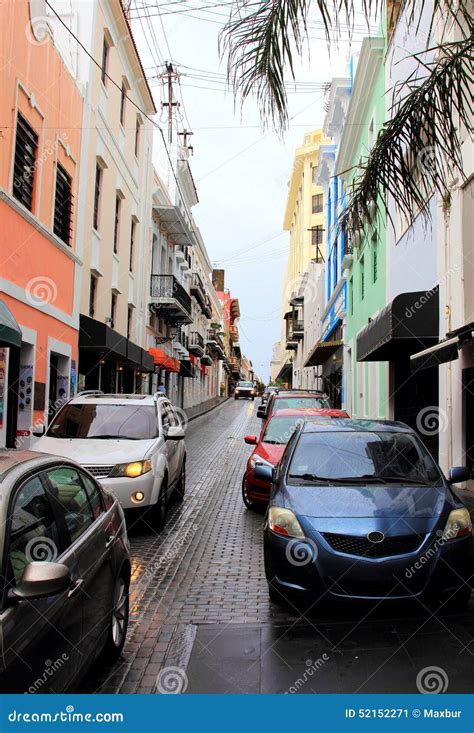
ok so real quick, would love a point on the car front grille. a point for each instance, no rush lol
(363, 547)
(99, 471)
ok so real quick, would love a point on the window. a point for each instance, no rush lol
(129, 321)
(314, 174)
(105, 60)
(118, 204)
(92, 295)
(94, 495)
(63, 206)
(132, 244)
(95, 420)
(317, 235)
(97, 194)
(375, 253)
(362, 278)
(113, 310)
(123, 97)
(351, 296)
(72, 498)
(317, 203)
(34, 533)
(26, 146)
(371, 134)
(138, 125)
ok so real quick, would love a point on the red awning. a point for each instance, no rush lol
(193, 359)
(164, 361)
(203, 370)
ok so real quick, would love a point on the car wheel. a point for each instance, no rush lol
(160, 508)
(118, 624)
(247, 501)
(253, 398)
(180, 489)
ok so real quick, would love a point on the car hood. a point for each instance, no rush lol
(269, 452)
(366, 501)
(90, 452)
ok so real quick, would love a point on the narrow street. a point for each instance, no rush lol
(199, 602)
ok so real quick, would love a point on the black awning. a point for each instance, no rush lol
(187, 369)
(147, 362)
(10, 331)
(441, 353)
(406, 325)
(134, 354)
(286, 370)
(96, 336)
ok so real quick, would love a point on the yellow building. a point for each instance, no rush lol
(304, 219)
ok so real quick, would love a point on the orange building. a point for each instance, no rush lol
(40, 139)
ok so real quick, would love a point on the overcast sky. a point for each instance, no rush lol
(241, 172)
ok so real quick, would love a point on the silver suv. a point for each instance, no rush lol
(134, 444)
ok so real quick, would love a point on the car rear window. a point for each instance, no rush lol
(93, 420)
(283, 403)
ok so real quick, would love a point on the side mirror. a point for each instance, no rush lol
(262, 472)
(39, 431)
(251, 439)
(459, 474)
(40, 580)
(261, 412)
(174, 432)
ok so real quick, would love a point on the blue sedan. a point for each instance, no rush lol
(359, 509)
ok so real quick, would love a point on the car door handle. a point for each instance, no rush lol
(75, 587)
(110, 541)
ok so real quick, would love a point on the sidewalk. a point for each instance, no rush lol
(204, 407)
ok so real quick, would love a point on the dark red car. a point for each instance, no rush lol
(270, 445)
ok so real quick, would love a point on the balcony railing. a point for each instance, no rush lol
(196, 343)
(168, 296)
(296, 329)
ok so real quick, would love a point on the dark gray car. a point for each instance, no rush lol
(64, 573)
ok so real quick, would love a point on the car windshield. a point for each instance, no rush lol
(125, 422)
(362, 457)
(283, 403)
(245, 384)
(280, 429)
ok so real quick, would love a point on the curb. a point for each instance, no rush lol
(209, 409)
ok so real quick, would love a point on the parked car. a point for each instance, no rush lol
(132, 443)
(360, 510)
(267, 392)
(245, 389)
(269, 448)
(283, 399)
(65, 573)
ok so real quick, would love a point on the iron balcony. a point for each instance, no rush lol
(169, 299)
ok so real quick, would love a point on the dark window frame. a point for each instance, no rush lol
(113, 310)
(317, 203)
(118, 208)
(92, 294)
(132, 245)
(26, 150)
(97, 196)
(105, 60)
(62, 225)
(123, 101)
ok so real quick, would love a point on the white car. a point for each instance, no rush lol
(134, 444)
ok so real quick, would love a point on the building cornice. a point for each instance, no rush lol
(370, 60)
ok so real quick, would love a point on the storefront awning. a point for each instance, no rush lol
(10, 331)
(285, 371)
(175, 224)
(322, 352)
(164, 360)
(96, 336)
(441, 353)
(408, 323)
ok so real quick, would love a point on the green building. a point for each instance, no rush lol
(366, 382)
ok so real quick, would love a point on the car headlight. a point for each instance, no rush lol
(253, 460)
(458, 525)
(130, 470)
(284, 522)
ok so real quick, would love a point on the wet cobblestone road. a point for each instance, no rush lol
(199, 601)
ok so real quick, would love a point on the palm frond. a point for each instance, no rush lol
(261, 44)
(418, 151)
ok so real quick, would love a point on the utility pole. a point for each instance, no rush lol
(185, 135)
(171, 75)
